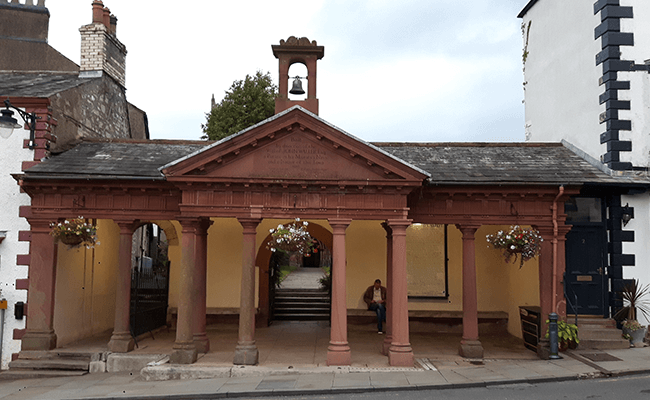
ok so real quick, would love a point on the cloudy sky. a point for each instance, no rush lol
(408, 70)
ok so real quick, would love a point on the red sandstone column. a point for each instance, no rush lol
(121, 340)
(545, 287)
(389, 288)
(470, 346)
(338, 352)
(201, 340)
(400, 352)
(39, 333)
(246, 352)
(184, 349)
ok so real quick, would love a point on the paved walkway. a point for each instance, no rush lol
(265, 381)
(303, 278)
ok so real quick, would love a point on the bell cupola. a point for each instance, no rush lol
(290, 52)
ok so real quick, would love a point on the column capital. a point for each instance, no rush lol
(40, 225)
(339, 223)
(127, 226)
(398, 226)
(468, 230)
(197, 225)
(249, 224)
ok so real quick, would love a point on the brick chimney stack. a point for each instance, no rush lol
(101, 51)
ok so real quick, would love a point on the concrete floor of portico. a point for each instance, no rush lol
(304, 344)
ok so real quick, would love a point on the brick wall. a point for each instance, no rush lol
(101, 51)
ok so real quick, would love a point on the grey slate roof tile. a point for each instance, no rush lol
(123, 159)
(498, 163)
(38, 84)
(448, 163)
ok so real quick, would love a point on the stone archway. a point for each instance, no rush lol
(263, 259)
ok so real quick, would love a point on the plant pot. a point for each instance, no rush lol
(71, 240)
(637, 336)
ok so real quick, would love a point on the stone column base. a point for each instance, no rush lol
(339, 354)
(400, 355)
(471, 349)
(184, 353)
(247, 354)
(38, 340)
(202, 343)
(121, 342)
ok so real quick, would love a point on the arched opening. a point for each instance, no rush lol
(266, 259)
(298, 69)
(149, 278)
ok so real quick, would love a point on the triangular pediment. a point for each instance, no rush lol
(293, 146)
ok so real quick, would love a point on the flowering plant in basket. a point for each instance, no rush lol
(75, 232)
(291, 238)
(517, 240)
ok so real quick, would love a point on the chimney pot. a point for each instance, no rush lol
(113, 30)
(98, 12)
(106, 18)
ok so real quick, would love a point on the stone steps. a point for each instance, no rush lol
(46, 364)
(599, 334)
(301, 305)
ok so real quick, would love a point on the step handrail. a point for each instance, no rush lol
(566, 296)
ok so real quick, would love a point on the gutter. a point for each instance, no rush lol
(555, 234)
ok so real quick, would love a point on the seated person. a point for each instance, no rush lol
(375, 297)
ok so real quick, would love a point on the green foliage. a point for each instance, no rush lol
(633, 295)
(326, 280)
(246, 103)
(565, 332)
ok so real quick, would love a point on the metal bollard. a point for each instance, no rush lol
(552, 335)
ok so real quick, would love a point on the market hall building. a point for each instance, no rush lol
(413, 214)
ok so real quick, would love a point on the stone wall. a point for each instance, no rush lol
(95, 109)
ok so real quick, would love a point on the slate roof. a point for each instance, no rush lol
(114, 160)
(448, 163)
(38, 84)
(500, 163)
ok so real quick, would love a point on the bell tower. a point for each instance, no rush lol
(302, 51)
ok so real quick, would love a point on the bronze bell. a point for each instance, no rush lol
(297, 86)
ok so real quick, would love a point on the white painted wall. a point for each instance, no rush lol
(561, 79)
(640, 83)
(12, 154)
(641, 245)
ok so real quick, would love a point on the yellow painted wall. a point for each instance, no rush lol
(85, 290)
(500, 286)
(224, 264)
(365, 245)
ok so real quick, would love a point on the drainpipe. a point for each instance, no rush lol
(555, 231)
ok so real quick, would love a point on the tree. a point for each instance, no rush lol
(246, 103)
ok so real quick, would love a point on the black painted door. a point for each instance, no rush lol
(585, 265)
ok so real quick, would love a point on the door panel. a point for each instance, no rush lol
(585, 255)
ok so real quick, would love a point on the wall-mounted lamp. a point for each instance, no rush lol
(3, 235)
(627, 214)
(8, 123)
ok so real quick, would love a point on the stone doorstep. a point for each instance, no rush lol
(50, 364)
(603, 344)
(599, 334)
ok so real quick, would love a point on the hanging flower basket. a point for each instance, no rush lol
(75, 232)
(71, 240)
(291, 238)
(518, 242)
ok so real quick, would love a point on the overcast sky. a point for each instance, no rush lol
(408, 70)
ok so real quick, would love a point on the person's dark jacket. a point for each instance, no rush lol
(367, 297)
